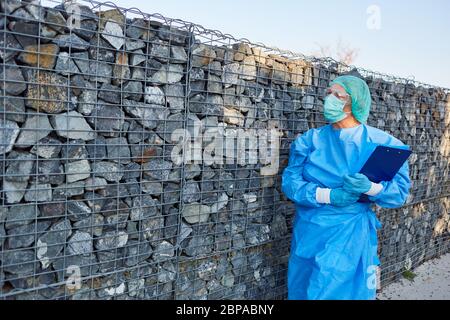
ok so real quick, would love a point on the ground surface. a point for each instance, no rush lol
(432, 281)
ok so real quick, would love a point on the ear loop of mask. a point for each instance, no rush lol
(346, 112)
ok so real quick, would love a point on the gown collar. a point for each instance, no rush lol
(347, 133)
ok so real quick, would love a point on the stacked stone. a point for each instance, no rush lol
(90, 184)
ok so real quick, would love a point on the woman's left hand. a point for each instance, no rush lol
(357, 183)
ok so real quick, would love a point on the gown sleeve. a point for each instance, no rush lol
(293, 184)
(396, 191)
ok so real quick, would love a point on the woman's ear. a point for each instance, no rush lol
(348, 105)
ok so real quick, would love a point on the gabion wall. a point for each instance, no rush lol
(101, 197)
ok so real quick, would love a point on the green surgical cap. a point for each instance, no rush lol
(360, 94)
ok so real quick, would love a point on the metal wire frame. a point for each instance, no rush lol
(230, 225)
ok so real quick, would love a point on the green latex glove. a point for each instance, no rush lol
(356, 183)
(341, 198)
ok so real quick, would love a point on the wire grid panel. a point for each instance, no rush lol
(141, 157)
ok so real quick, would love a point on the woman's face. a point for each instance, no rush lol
(339, 92)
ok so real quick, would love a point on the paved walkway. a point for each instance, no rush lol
(432, 282)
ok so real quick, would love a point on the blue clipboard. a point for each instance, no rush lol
(383, 164)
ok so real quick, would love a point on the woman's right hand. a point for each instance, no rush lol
(341, 198)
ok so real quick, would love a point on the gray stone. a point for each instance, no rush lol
(24, 236)
(14, 83)
(87, 99)
(230, 75)
(72, 125)
(13, 108)
(74, 150)
(154, 95)
(152, 187)
(248, 68)
(138, 74)
(80, 243)
(70, 41)
(81, 59)
(192, 171)
(133, 45)
(113, 172)
(101, 50)
(132, 90)
(174, 96)
(132, 171)
(202, 55)
(18, 262)
(100, 71)
(138, 29)
(160, 50)
(55, 20)
(173, 122)
(111, 240)
(113, 33)
(109, 93)
(9, 47)
(185, 231)
(107, 118)
(195, 213)
(163, 251)
(191, 192)
(50, 171)
(118, 150)
(78, 210)
(109, 260)
(69, 190)
(77, 170)
(149, 115)
(34, 129)
(47, 148)
(206, 270)
(227, 280)
(199, 245)
(92, 224)
(65, 65)
(14, 190)
(214, 84)
(9, 6)
(257, 233)
(173, 34)
(157, 169)
(137, 251)
(95, 183)
(278, 227)
(212, 105)
(178, 54)
(97, 148)
(88, 265)
(137, 57)
(50, 244)
(39, 193)
(166, 272)
(9, 131)
(168, 74)
(20, 166)
(152, 228)
(116, 212)
(143, 207)
(20, 215)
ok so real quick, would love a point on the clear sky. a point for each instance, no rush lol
(412, 39)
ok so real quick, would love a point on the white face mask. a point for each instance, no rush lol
(334, 109)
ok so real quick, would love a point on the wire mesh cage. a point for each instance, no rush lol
(141, 156)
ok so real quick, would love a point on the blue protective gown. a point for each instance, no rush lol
(334, 249)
